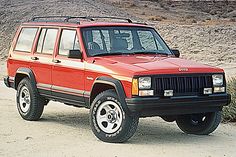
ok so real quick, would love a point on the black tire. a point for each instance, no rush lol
(128, 124)
(35, 102)
(199, 124)
(169, 118)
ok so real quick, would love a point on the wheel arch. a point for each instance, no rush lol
(21, 73)
(104, 83)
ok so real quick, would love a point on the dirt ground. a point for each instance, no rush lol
(64, 131)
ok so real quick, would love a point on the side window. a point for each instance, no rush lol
(46, 41)
(40, 41)
(147, 40)
(68, 41)
(26, 39)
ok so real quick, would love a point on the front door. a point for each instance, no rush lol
(68, 74)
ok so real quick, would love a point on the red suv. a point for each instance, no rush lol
(121, 71)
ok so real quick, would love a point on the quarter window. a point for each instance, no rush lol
(46, 41)
(69, 41)
(26, 39)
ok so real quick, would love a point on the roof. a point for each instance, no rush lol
(80, 21)
(83, 24)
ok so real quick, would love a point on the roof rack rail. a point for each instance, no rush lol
(91, 18)
(111, 17)
(64, 18)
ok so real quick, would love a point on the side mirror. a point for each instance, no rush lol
(176, 53)
(76, 54)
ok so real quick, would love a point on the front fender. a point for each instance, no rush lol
(118, 88)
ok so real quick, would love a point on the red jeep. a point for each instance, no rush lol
(121, 71)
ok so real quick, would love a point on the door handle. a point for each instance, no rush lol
(56, 61)
(34, 58)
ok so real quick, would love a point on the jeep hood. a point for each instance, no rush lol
(150, 64)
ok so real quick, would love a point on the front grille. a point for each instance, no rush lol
(182, 84)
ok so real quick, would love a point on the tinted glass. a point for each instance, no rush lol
(147, 40)
(127, 36)
(123, 40)
(26, 39)
(68, 42)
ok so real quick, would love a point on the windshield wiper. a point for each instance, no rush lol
(113, 53)
(143, 52)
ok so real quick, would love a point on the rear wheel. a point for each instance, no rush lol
(199, 124)
(30, 104)
(108, 121)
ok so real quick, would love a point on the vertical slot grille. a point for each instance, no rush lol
(183, 85)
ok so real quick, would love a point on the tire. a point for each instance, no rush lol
(30, 104)
(199, 124)
(169, 118)
(108, 120)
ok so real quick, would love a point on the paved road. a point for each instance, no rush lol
(65, 131)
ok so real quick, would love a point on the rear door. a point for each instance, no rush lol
(42, 59)
(68, 74)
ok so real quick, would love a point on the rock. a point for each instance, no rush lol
(232, 14)
(27, 138)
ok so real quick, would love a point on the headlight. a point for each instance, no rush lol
(217, 80)
(144, 82)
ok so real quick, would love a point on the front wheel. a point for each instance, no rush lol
(108, 121)
(199, 124)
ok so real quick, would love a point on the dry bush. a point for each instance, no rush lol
(229, 112)
(232, 20)
(156, 18)
(189, 17)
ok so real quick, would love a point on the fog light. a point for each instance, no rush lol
(146, 93)
(168, 92)
(207, 91)
(219, 89)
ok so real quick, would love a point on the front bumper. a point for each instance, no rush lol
(156, 106)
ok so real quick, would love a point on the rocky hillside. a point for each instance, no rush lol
(202, 31)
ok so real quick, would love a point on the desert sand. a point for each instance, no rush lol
(64, 131)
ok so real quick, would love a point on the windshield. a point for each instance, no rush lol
(123, 40)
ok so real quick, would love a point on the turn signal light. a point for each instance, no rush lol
(135, 87)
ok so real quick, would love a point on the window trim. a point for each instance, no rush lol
(18, 36)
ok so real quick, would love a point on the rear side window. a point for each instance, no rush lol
(69, 41)
(47, 41)
(26, 39)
